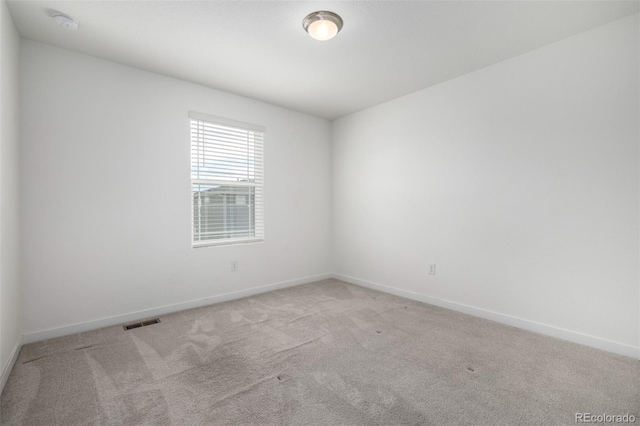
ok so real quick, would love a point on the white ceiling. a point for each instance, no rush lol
(258, 49)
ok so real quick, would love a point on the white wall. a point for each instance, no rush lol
(106, 193)
(520, 181)
(10, 315)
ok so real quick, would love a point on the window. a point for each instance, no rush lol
(226, 181)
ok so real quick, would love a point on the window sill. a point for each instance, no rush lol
(201, 244)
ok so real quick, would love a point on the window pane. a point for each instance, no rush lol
(223, 212)
(227, 180)
(223, 153)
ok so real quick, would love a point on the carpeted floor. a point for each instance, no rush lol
(323, 353)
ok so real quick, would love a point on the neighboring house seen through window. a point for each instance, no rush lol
(226, 181)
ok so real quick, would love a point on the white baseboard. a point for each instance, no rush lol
(549, 330)
(36, 336)
(6, 370)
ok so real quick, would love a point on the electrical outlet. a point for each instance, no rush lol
(234, 266)
(432, 269)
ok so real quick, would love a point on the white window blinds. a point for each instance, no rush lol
(226, 181)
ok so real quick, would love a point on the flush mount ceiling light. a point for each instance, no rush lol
(65, 21)
(322, 25)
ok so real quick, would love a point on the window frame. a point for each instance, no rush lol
(258, 184)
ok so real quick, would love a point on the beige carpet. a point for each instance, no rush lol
(323, 353)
